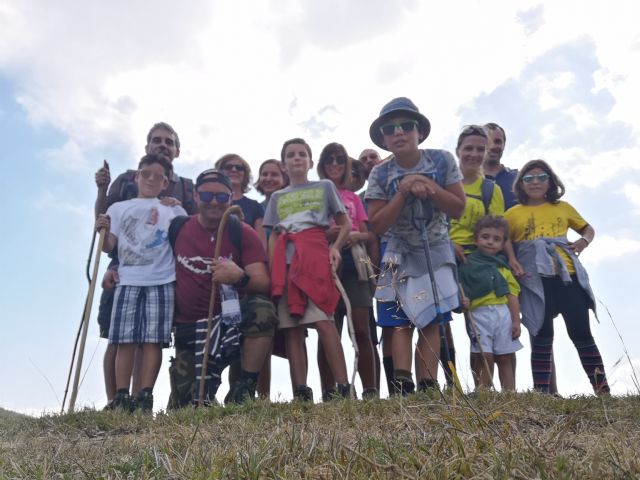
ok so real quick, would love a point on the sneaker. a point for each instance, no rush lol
(370, 393)
(144, 401)
(428, 385)
(328, 395)
(344, 390)
(123, 402)
(403, 386)
(243, 391)
(303, 393)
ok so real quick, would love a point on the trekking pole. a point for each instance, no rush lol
(352, 331)
(418, 216)
(212, 300)
(85, 323)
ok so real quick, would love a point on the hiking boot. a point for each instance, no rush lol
(403, 386)
(328, 395)
(428, 385)
(109, 406)
(370, 393)
(123, 402)
(303, 393)
(144, 401)
(344, 390)
(243, 391)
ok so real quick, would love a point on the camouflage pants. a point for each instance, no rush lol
(258, 320)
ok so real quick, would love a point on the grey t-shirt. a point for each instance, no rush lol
(304, 206)
(437, 228)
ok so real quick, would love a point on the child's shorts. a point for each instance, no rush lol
(312, 314)
(390, 314)
(493, 324)
(142, 314)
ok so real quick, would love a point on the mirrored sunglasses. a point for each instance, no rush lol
(406, 127)
(541, 177)
(221, 197)
(337, 159)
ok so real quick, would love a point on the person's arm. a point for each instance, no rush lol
(516, 268)
(450, 200)
(514, 310)
(110, 240)
(227, 271)
(103, 179)
(343, 221)
(587, 234)
(259, 228)
(273, 238)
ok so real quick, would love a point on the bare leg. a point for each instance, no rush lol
(366, 364)
(151, 361)
(109, 370)
(428, 353)
(332, 346)
(136, 383)
(327, 382)
(553, 383)
(505, 372)
(124, 364)
(296, 353)
(401, 348)
(482, 376)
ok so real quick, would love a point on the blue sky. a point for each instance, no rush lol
(80, 83)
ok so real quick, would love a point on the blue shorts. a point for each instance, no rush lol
(390, 314)
(142, 314)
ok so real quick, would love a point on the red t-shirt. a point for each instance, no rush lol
(194, 250)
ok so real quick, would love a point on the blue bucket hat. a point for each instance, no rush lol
(398, 106)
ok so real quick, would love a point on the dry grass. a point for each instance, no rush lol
(485, 436)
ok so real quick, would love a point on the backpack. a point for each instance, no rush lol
(486, 194)
(129, 190)
(233, 223)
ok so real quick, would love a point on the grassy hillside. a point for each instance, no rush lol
(487, 435)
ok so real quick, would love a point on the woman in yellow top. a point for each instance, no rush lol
(555, 281)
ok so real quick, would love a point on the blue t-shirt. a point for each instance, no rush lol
(505, 179)
(251, 209)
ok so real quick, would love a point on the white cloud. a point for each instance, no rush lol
(608, 247)
(68, 157)
(52, 201)
(632, 192)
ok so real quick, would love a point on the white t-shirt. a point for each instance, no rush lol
(141, 226)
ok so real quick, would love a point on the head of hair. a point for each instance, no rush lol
(335, 149)
(494, 126)
(293, 141)
(277, 163)
(470, 131)
(556, 187)
(166, 127)
(492, 221)
(151, 158)
(246, 179)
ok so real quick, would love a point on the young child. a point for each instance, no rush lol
(494, 312)
(302, 263)
(144, 297)
(415, 191)
(555, 280)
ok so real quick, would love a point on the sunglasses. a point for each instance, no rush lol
(406, 127)
(154, 177)
(221, 197)
(337, 159)
(541, 177)
(234, 166)
(473, 130)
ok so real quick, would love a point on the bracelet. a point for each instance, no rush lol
(586, 241)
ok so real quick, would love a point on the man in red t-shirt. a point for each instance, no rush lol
(243, 266)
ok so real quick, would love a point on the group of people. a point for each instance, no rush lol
(428, 237)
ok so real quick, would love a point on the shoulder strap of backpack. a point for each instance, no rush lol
(174, 228)
(487, 193)
(235, 231)
(128, 187)
(187, 195)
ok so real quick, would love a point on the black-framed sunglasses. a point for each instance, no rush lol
(541, 177)
(337, 159)
(207, 197)
(406, 127)
(234, 166)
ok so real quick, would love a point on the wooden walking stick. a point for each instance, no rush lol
(352, 331)
(85, 322)
(212, 300)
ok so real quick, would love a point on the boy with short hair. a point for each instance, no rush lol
(302, 262)
(494, 310)
(144, 297)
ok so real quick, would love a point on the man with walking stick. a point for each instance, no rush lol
(162, 139)
(241, 265)
(417, 284)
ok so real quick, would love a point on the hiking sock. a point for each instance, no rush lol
(427, 384)
(541, 355)
(592, 363)
(387, 363)
(403, 382)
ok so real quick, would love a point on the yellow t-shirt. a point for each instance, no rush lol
(528, 222)
(491, 298)
(461, 231)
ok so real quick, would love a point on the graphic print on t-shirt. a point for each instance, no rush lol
(311, 199)
(142, 233)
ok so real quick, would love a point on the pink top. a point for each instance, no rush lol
(354, 207)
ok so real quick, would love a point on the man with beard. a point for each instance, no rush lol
(163, 140)
(496, 171)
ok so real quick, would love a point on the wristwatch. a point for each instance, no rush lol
(244, 281)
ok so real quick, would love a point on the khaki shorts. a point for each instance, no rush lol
(312, 314)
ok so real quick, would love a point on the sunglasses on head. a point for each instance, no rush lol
(473, 130)
(149, 175)
(406, 127)
(337, 159)
(541, 177)
(221, 197)
(234, 166)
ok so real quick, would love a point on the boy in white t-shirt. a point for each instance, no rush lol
(144, 299)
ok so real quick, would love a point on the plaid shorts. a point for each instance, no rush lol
(142, 314)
